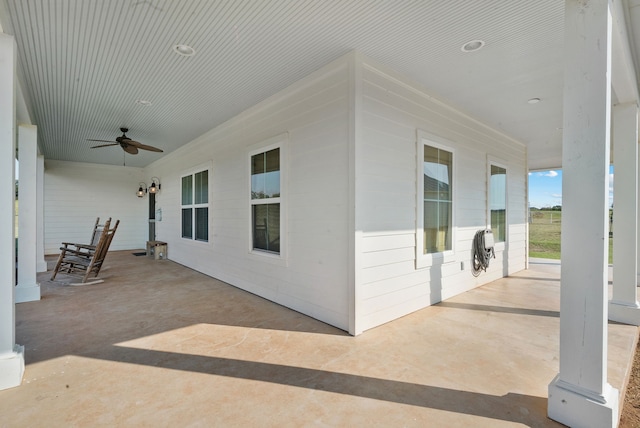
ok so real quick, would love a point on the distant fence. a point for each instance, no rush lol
(545, 217)
(555, 218)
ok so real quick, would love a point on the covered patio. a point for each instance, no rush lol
(325, 123)
(174, 346)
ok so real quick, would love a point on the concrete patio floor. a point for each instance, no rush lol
(158, 344)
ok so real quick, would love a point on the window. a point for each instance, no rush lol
(195, 206)
(266, 201)
(435, 195)
(437, 168)
(498, 202)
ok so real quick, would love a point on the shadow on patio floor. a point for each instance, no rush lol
(158, 343)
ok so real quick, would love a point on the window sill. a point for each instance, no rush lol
(190, 241)
(268, 257)
(424, 261)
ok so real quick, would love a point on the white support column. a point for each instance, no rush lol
(580, 394)
(624, 307)
(637, 240)
(41, 264)
(11, 355)
(28, 288)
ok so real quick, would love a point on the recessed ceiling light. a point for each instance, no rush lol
(184, 50)
(145, 103)
(472, 46)
(533, 100)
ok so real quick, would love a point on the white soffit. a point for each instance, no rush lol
(83, 64)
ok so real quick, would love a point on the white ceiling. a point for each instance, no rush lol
(83, 64)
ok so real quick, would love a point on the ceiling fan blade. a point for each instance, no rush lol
(144, 146)
(129, 148)
(104, 145)
(127, 144)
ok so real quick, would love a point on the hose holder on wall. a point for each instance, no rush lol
(482, 251)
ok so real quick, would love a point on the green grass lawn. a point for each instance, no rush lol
(544, 235)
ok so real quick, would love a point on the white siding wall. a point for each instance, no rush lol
(76, 193)
(315, 115)
(350, 198)
(388, 283)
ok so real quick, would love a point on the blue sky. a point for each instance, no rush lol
(545, 188)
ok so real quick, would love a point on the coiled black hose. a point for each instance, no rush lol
(481, 255)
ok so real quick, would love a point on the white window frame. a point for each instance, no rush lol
(448, 256)
(192, 172)
(501, 163)
(277, 142)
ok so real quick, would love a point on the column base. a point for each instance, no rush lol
(576, 407)
(12, 368)
(41, 266)
(27, 293)
(624, 313)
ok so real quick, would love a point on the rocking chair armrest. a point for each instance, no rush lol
(85, 246)
(83, 252)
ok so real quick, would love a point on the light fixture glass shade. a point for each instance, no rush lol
(155, 185)
(141, 190)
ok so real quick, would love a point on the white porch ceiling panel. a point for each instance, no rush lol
(84, 63)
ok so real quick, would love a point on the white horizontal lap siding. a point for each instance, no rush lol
(314, 114)
(393, 109)
(76, 193)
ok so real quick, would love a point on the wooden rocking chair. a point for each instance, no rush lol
(86, 259)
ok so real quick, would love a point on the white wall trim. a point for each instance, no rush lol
(355, 158)
(276, 142)
(448, 256)
(501, 163)
(206, 166)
